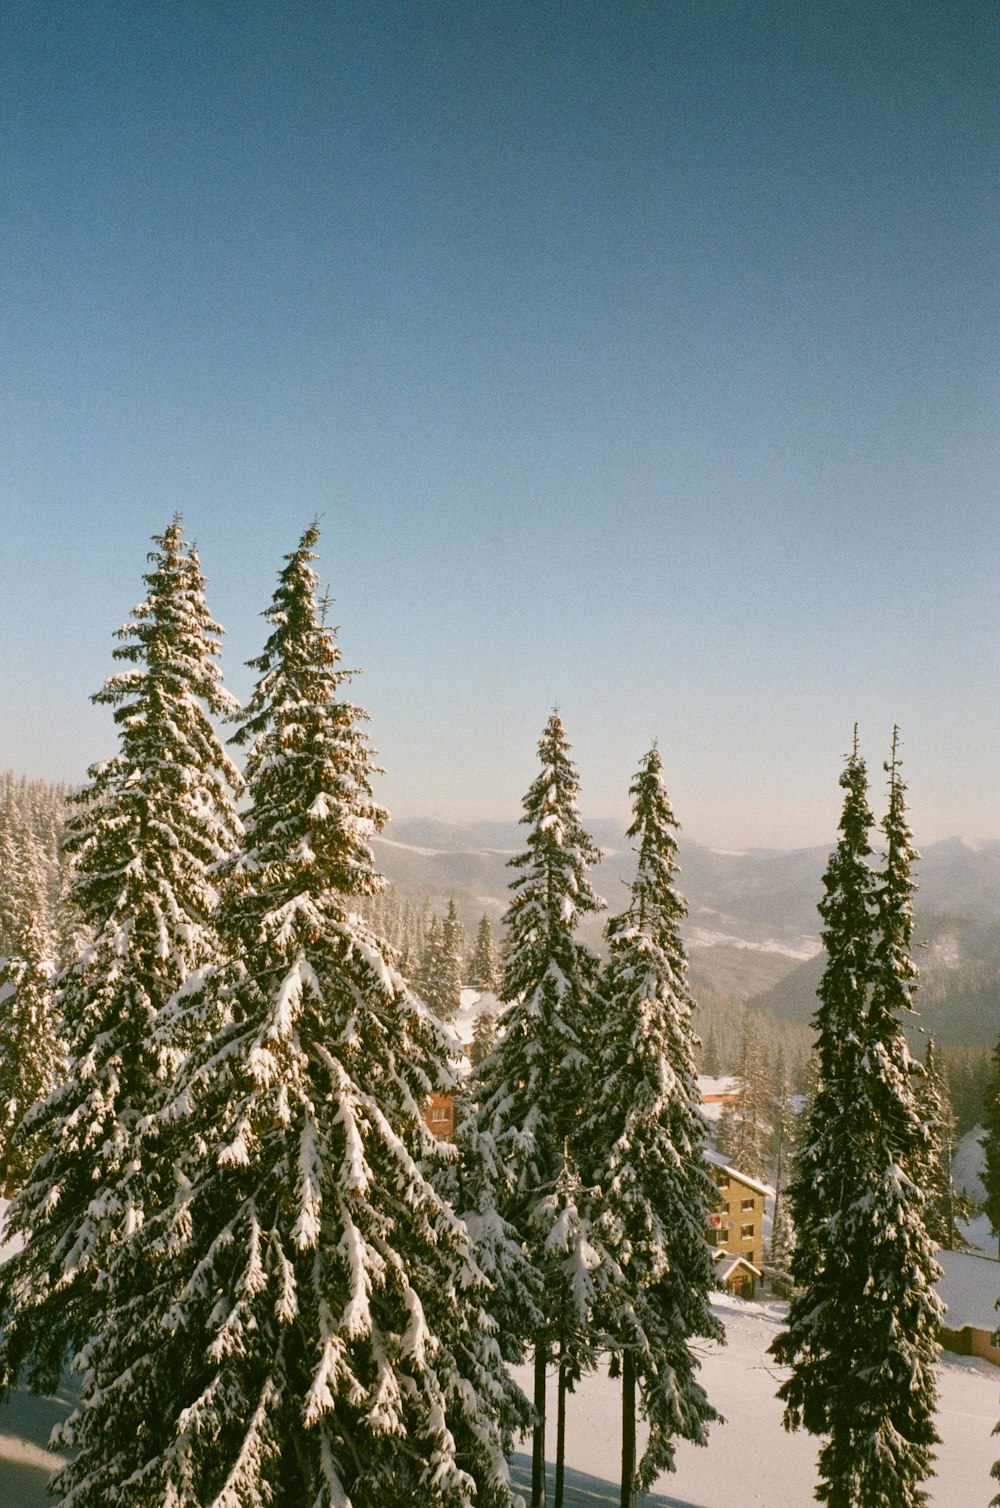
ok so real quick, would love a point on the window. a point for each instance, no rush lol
(746, 1231)
(747, 1204)
(440, 1113)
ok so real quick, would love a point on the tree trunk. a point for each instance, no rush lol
(628, 1429)
(557, 1501)
(538, 1434)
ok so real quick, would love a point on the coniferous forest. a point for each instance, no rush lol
(219, 1036)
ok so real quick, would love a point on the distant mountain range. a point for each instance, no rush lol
(753, 928)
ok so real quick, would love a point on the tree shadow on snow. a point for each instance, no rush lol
(26, 1463)
(583, 1491)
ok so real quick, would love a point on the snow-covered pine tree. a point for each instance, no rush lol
(990, 1142)
(571, 1260)
(145, 832)
(439, 978)
(306, 1324)
(484, 1037)
(484, 966)
(746, 1130)
(24, 881)
(710, 1061)
(528, 1094)
(822, 1185)
(30, 1055)
(34, 869)
(782, 1234)
(861, 1333)
(453, 939)
(644, 1137)
(944, 1205)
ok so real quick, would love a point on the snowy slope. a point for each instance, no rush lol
(751, 1459)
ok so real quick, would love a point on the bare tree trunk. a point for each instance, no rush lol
(557, 1501)
(538, 1434)
(628, 1429)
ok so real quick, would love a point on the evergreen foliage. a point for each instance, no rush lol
(484, 1037)
(782, 1233)
(861, 1337)
(484, 965)
(32, 867)
(144, 833)
(571, 1261)
(529, 1092)
(453, 938)
(968, 1071)
(303, 1324)
(30, 1055)
(944, 1204)
(991, 1144)
(645, 1139)
(439, 977)
(745, 1131)
(710, 1062)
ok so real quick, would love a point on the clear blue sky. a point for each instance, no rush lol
(639, 357)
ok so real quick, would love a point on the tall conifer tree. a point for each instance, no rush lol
(30, 1052)
(990, 1142)
(944, 1205)
(645, 1137)
(484, 967)
(453, 940)
(861, 1334)
(145, 833)
(529, 1092)
(304, 1325)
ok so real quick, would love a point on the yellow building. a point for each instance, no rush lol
(736, 1229)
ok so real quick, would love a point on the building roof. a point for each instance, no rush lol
(727, 1084)
(752, 1183)
(969, 1288)
(732, 1263)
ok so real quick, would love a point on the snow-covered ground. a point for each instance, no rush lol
(751, 1459)
(25, 1461)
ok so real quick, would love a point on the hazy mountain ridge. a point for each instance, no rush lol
(753, 930)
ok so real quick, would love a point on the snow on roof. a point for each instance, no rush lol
(726, 1272)
(970, 1288)
(752, 1183)
(728, 1084)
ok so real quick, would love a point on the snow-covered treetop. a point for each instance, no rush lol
(171, 634)
(655, 906)
(896, 971)
(644, 1039)
(552, 890)
(848, 911)
(159, 813)
(305, 741)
